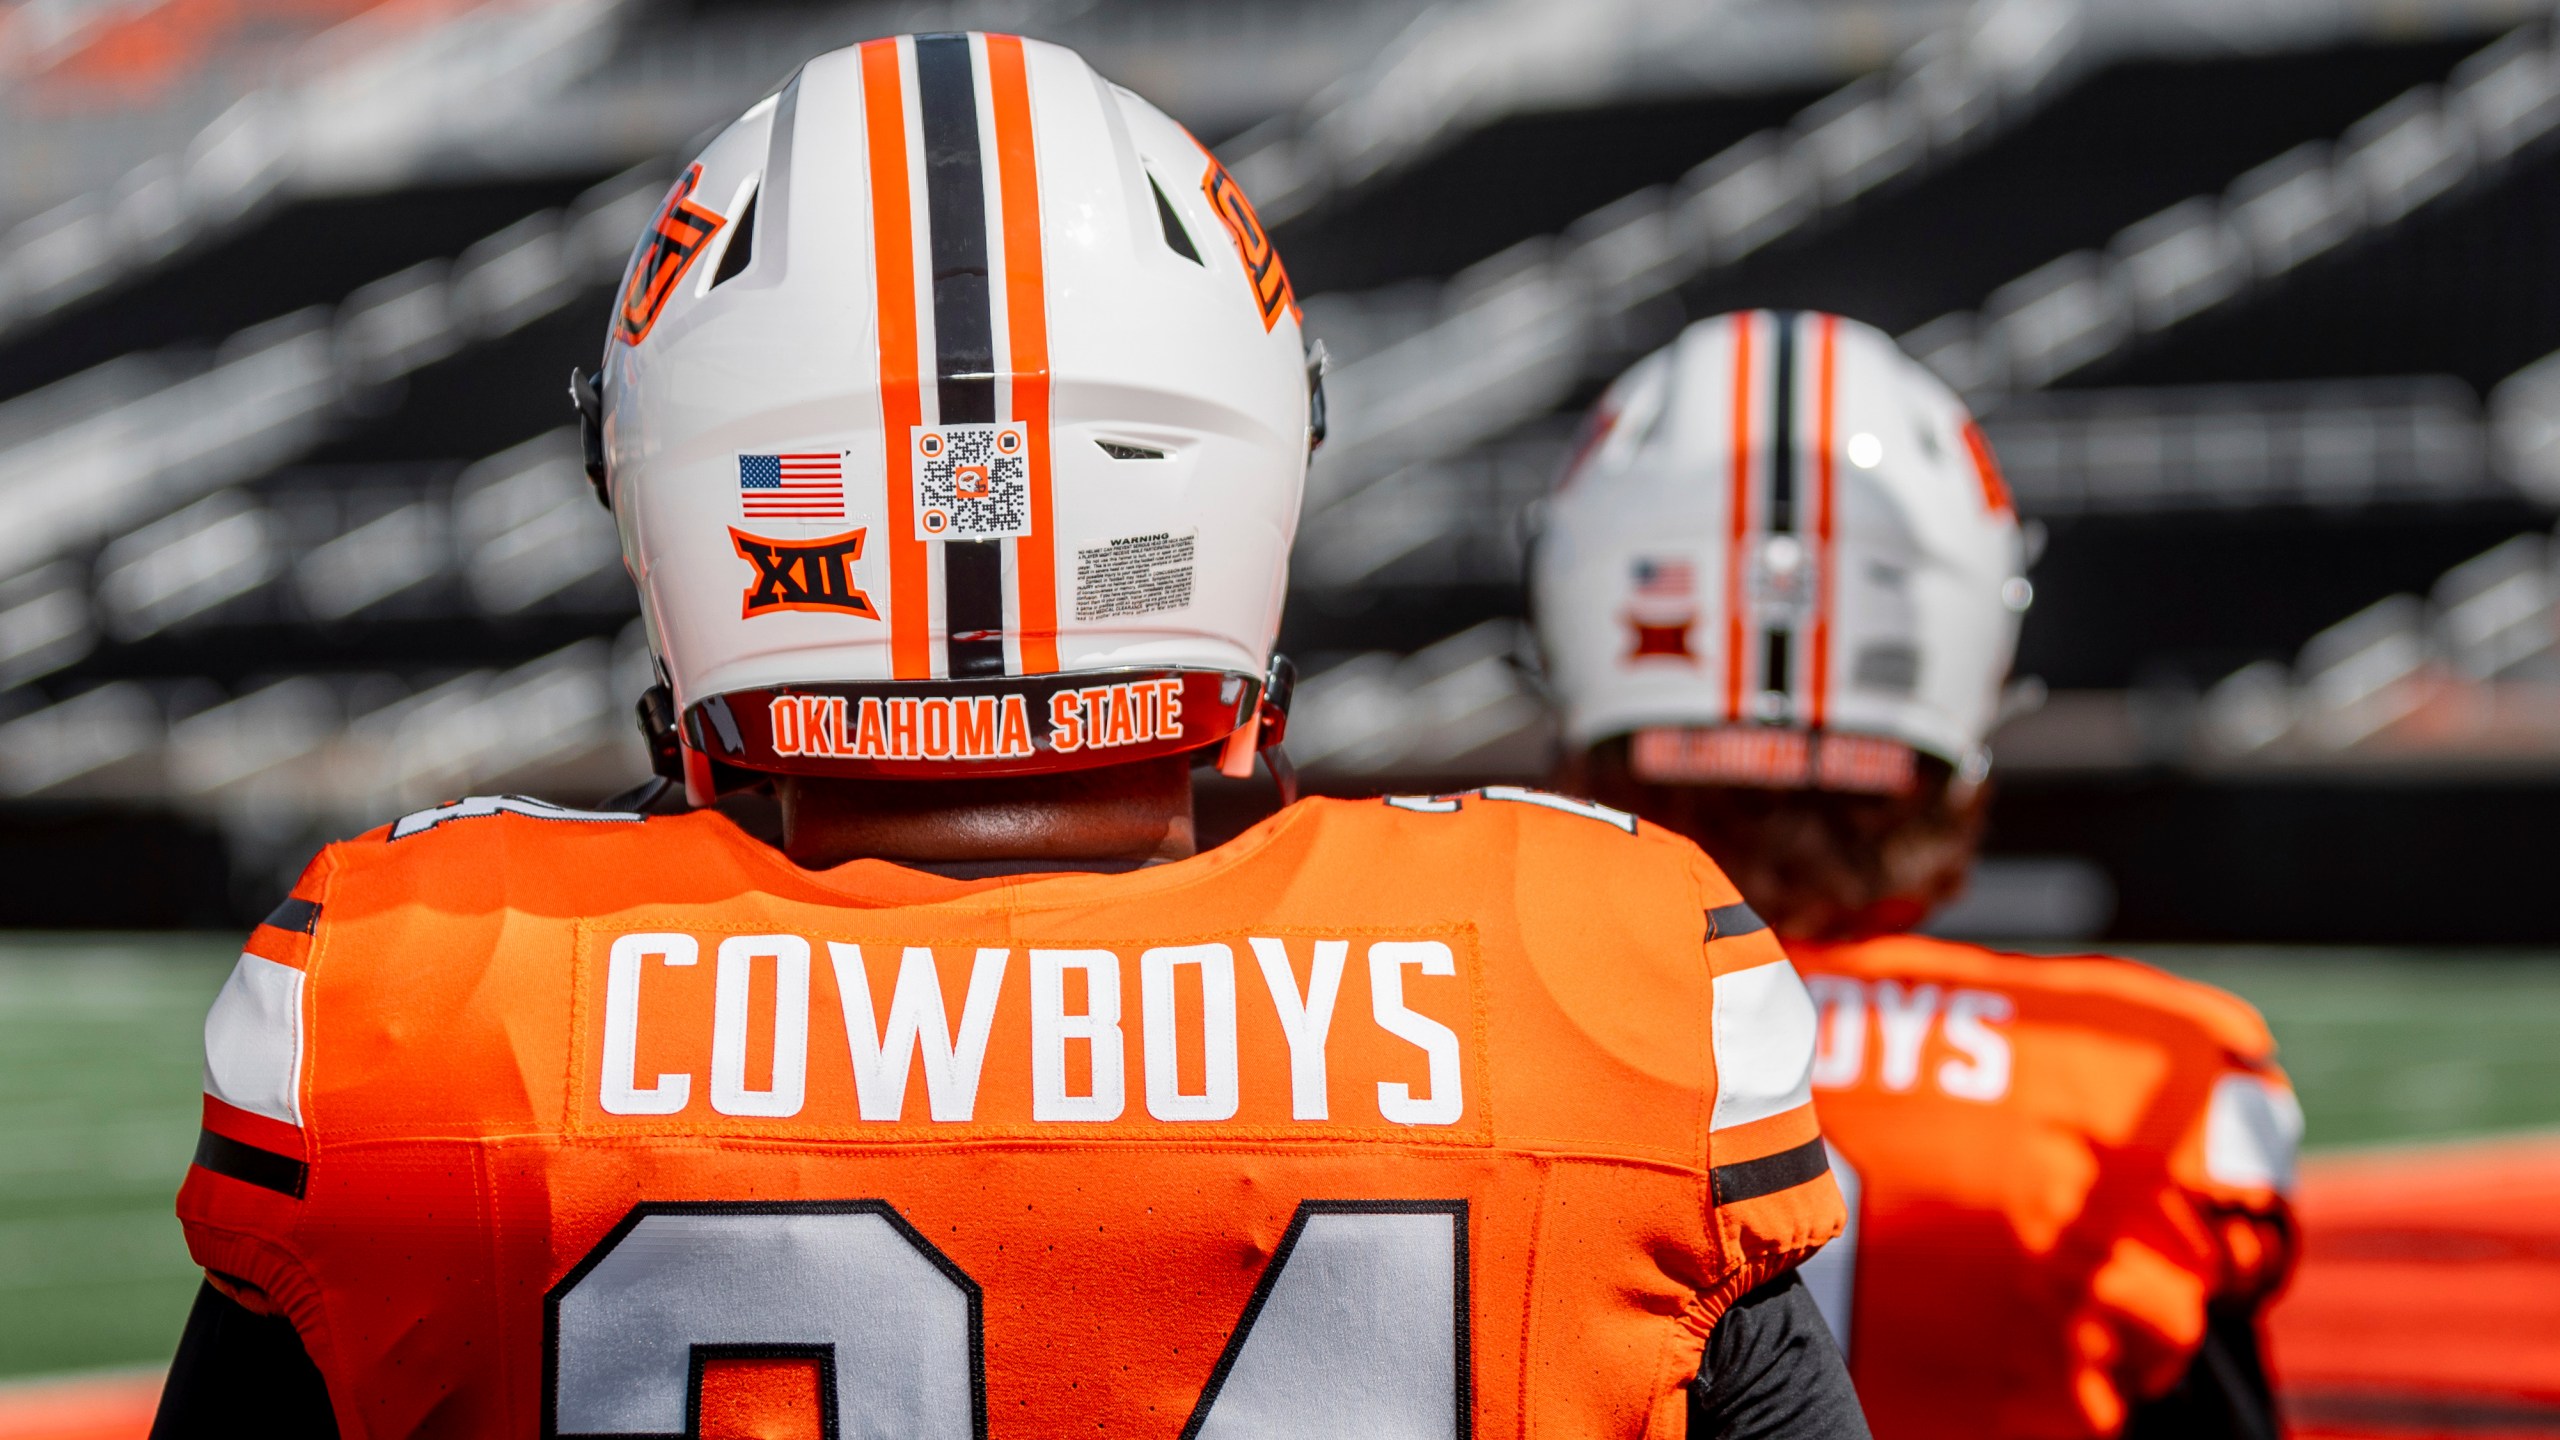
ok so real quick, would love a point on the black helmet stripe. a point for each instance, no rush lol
(963, 330)
(1777, 668)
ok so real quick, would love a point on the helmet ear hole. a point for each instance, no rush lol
(589, 402)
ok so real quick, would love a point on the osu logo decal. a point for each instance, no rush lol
(666, 252)
(1660, 640)
(1995, 489)
(803, 575)
(1271, 292)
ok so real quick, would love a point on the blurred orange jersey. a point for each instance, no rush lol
(2052, 1166)
(1429, 1116)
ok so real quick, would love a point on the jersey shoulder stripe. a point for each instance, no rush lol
(247, 1163)
(474, 807)
(1727, 921)
(1763, 1041)
(2252, 1133)
(257, 1047)
(294, 913)
(253, 1040)
(1770, 1174)
(1498, 800)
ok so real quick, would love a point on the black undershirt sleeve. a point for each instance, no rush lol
(2224, 1395)
(1773, 1373)
(239, 1373)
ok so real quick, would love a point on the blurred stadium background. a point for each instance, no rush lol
(2259, 301)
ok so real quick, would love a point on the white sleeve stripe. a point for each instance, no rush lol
(2252, 1129)
(1763, 1033)
(253, 1040)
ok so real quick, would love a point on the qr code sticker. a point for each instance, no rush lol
(973, 482)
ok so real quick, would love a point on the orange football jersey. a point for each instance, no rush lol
(1430, 1116)
(2051, 1166)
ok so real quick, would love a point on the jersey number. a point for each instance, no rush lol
(1358, 1325)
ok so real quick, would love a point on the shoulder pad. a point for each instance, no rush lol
(2229, 1021)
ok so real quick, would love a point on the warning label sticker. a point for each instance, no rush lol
(1135, 575)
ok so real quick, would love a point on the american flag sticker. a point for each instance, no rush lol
(792, 487)
(1665, 579)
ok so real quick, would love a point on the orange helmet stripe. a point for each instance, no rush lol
(1826, 511)
(1740, 520)
(901, 408)
(1027, 327)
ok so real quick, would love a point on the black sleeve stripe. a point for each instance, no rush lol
(1751, 1179)
(264, 1168)
(295, 913)
(1726, 921)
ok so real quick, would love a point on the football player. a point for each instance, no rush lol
(955, 416)
(1778, 589)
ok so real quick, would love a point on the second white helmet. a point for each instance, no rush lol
(956, 419)
(1778, 533)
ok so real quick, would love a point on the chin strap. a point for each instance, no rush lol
(658, 731)
(1283, 773)
(686, 771)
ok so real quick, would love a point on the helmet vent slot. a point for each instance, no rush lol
(742, 246)
(1175, 237)
(1119, 451)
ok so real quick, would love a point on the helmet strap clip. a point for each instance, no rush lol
(1261, 735)
(658, 730)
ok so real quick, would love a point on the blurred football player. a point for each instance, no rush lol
(955, 416)
(1778, 589)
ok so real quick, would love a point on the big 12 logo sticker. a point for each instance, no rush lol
(802, 575)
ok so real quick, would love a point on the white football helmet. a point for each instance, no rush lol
(956, 419)
(1782, 554)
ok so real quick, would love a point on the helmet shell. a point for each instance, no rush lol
(954, 371)
(1781, 520)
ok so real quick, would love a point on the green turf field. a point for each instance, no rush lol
(101, 1060)
(99, 1069)
(2398, 1045)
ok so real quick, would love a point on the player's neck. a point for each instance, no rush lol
(1122, 812)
